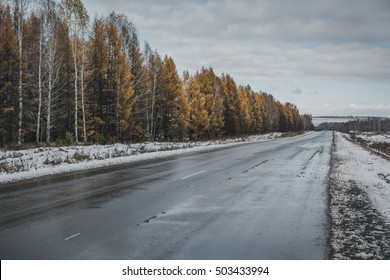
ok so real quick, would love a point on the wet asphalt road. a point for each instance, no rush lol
(265, 200)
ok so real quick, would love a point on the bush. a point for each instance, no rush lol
(382, 147)
(68, 140)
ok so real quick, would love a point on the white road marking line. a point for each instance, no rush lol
(74, 235)
(197, 173)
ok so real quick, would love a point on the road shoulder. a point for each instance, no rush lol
(359, 202)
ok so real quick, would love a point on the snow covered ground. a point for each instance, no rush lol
(31, 163)
(375, 141)
(373, 137)
(360, 202)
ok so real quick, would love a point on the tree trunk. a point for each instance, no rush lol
(20, 88)
(153, 124)
(76, 135)
(82, 92)
(48, 124)
(39, 86)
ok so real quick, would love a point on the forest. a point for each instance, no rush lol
(68, 79)
(369, 124)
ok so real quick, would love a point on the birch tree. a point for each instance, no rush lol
(53, 61)
(49, 65)
(82, 80)
(40, 59)
(76, 17)
(153, 66)
(21, 10)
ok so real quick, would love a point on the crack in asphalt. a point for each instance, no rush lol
(253, 167)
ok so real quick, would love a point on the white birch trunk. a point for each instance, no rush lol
(20, 93)
(76, 134)
(50, 86)
(49, 96)
(153, 130)
(117, 108)
(82, 91)
(76, 17)
(22, 6)
(39, 84)
(20, 88)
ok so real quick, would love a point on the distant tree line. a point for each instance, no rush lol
(65, 78)
(367, 125)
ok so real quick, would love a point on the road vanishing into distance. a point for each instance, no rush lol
(265, 200)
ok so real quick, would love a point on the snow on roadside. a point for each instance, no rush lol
(31, 163)
(374, 141)
(372, 137)
(359, 202)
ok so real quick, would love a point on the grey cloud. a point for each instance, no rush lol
(331, 21)
(269, 41)
(344, 62)
(314, 92)
(297, 91)
(289, 21)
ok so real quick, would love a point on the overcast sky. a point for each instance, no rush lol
(328, 57)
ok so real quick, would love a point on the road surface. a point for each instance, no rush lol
(265, 200)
